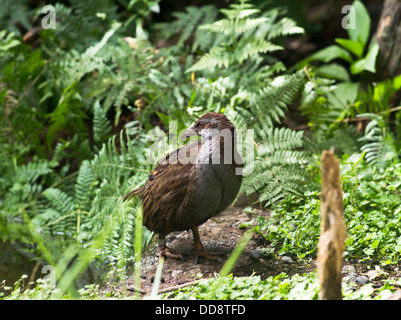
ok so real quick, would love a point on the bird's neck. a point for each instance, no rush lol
(219, 148)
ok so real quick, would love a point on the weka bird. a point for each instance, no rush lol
(193, 183)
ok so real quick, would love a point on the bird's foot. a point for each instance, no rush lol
(167, 252)
(209, 255)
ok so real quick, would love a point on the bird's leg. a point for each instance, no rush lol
(165, 251)
(198, 247)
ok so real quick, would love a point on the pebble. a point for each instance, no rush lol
(376, 275)
(349, 273)
(362, 280)
(348, 269)
(287, 259)
(255, 254)
(175, 273)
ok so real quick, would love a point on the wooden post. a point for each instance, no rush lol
(331, 242)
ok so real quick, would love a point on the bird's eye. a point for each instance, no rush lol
(201, 125)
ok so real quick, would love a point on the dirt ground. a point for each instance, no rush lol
(219, 234)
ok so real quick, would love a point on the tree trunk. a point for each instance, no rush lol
(388, 36)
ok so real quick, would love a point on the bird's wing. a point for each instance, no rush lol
(166, 188)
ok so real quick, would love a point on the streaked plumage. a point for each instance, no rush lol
(181, 196)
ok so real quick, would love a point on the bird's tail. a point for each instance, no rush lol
(133, 193)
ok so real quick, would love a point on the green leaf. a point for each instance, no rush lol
(346, 92)
(8, 42)
(371, 58)
(358, 66)
(355, 47)
(360, 32)
(368, 63)
(397, 82)
(330, 53)
(334, 71)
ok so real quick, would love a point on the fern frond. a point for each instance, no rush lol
(248, 50)
(83, 185)
(344, 140)
(274, 182)
(59, 200)
(268, 105)
(7, 40)
(101, 125)
(378, 144)
(283, 27)
(216, 58)
(276, 139)
(234, 27)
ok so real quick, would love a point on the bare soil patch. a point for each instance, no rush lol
(219, 234)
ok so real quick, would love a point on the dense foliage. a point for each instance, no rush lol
(79, 103)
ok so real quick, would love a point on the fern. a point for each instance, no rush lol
(186, 27)
(277, 169)
(81, 17)
(270, 103)
(69, 109)
(101, 125)
(14, 13)
(64, 210)
(83, 186)
(378, 144)
(237, 67)
(7, 41)
(245, 36)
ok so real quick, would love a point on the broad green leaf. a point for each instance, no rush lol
(358, 66)
(334, 71)
(368, 63)
(352, 46)
(330, 53)
(371, 58)
(346, 93)
(360, 32)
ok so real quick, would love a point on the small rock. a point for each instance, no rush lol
(175, 273)
(349, 273)
(255, 255)
(376, 275)
(350, 277)
(287, 259)
(348, 269)
(362, 280)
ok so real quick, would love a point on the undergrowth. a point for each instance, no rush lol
(372, 212)
(79, 104)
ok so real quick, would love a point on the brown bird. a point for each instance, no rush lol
(193, 183)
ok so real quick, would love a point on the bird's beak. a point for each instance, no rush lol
(189, 133)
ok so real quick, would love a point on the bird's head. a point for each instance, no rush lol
(208, 125)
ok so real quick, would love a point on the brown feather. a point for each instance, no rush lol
(159, 214)
(182, 191)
